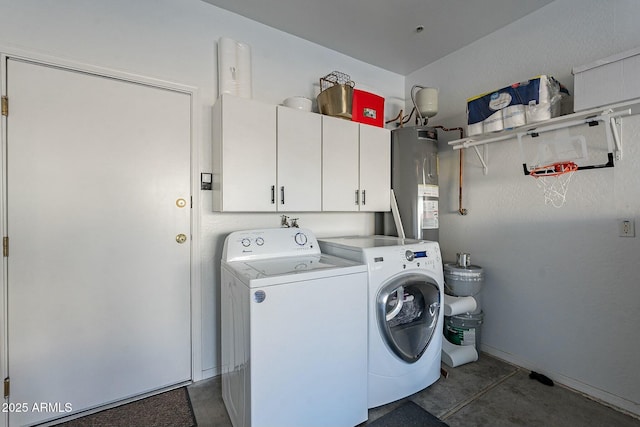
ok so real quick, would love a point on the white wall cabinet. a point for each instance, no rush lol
(244, 155)
(340, 165)
(375, 168)
(265, 158)
(299, 164)
(269, 158)
(356, 166)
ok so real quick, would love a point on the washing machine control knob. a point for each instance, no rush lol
(409, 255)
(301, 239)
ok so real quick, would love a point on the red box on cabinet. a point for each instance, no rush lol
(367, 108)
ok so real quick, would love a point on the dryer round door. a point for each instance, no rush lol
(407, 309)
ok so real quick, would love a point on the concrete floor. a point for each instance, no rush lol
(488, 392)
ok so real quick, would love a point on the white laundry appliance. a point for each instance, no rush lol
(405, 318)
(294, 332)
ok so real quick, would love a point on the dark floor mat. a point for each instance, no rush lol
(408, 414)
(169, 409)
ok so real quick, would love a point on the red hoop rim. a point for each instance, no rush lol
(553, 169)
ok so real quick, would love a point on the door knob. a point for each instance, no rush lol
(181, 238)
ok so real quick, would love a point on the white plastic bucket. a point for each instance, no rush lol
(463, 281)
(464, 329)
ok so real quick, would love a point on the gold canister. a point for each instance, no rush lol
(336, 101)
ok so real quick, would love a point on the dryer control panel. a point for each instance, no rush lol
(419, 257)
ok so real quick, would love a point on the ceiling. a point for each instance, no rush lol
(385, 33)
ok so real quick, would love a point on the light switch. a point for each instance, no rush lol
(205, 181)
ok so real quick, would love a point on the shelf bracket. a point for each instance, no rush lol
(614, 142)
(615, 123)
(483, 157)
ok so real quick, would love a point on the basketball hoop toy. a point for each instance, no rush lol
(554, 180)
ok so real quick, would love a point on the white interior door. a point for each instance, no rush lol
(98, 286)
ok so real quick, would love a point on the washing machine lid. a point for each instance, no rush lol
(282, 270)
(374, 249)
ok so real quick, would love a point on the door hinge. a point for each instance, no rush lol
(7, 386)
(5, 106)
(5, 246)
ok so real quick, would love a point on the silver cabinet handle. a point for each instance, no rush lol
(364, 197)
(273, 194)
(282, 195)
(357, 197)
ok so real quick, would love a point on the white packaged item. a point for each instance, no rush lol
(542, 99)
(493, 123)
(514, 116)
(475, 129)
(521, 103)
(234, 68)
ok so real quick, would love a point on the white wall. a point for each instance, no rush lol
(561, 293)
(175, 40)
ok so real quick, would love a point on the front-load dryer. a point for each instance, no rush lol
(405, 282)
(294, 332)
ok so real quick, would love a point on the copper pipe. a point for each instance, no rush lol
(461, 210)
(399, 116)
(407, 118)
(403, 120)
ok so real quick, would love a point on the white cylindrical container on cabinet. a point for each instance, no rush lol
(234, 68)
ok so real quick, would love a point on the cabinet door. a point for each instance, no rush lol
(375, 168)
(339, 164)
(299, 170)
(244, 155)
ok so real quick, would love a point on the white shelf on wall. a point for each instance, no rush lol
(610, 114)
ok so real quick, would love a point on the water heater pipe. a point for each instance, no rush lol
(461, 210)
(399, 116)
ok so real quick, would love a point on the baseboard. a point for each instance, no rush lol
(209, 373)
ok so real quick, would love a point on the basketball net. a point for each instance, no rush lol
(554, 181)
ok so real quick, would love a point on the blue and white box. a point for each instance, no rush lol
(516, 105)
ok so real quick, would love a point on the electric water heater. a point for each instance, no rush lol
(414, 179)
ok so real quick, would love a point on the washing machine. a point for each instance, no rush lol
(405, 315)
(293, 332)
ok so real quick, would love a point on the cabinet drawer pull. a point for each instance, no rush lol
(282, 195)
(364, 197)
(357, 197)
(273, 194)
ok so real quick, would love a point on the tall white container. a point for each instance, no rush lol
(234, 68)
